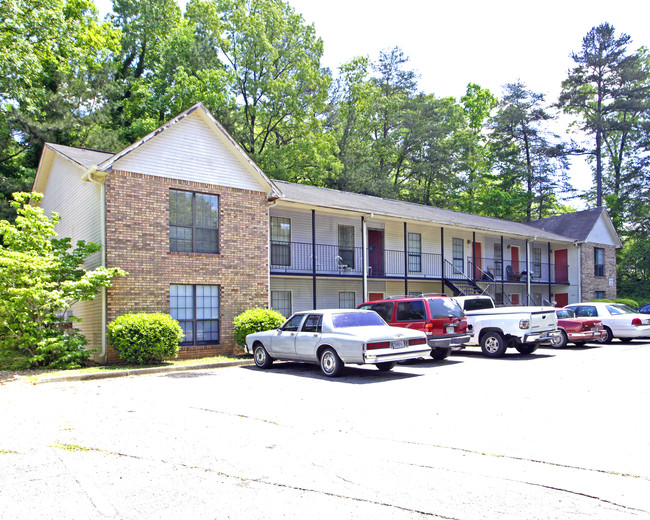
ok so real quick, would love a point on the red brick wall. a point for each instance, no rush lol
(137, 240)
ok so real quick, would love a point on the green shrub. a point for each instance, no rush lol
(256, 320)
(629, 302)
(145, 338)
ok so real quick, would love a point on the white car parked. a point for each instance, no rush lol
(335, 337)
(619, 321)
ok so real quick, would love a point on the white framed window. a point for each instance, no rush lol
(281, 241)
(537, 262)
(415, 252)
(346, 246)
(193, 222)
(196, 307)
(458, 253)
(281, 302)
(347, 299)
(498, 261)
(599, 261)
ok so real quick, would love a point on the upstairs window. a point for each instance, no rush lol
(280, 241)
(193, 222)
(599, 261)
(346, 247)
(458, 254)
(415, 252)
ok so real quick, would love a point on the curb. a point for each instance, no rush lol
(140, 372)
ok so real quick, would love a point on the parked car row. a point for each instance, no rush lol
(402, 328)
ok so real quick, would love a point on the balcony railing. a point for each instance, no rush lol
(332, 260)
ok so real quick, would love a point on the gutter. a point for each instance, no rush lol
(88, 176)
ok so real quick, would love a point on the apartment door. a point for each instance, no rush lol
(376, 252)
(514, 259)
(561, 299)
(561, 266)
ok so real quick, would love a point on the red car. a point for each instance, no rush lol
(577, 330)
(438, 316)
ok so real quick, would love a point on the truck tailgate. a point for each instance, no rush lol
(543, 320)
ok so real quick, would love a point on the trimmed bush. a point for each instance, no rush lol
(256, 320)
(145, 338)
(629, 302)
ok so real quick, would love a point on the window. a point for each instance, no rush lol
(599, 261)
(498, 260)
(281, 302)
(193, 222)
(458, 254)
(313, 323)
(411, 310)
(347, 299)
(196, 307)
(280, 241)
(599, 295)
(441, 308)
(346, 247)
(537, 262)
(415, 252)
(384, 309)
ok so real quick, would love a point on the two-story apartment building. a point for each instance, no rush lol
(204, 235)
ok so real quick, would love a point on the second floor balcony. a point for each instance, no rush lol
(300, 258)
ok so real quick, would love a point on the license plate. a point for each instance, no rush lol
(398, 344)
(450, 330)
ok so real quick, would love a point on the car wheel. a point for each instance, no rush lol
(493, 344)
(440, 353)
(608, 338)
(561, 340)
(385, 367)
(330, 363)
(526, 349)
(261, 356)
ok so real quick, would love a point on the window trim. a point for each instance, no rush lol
(194, 227)
(195, 320)
(599, 269)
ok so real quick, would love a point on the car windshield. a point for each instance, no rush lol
(565, 313)
(477, 304)
(356, 319)
(444, 308)
(619, 308)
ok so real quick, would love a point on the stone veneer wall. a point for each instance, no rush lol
(591, 283)
(137, 240)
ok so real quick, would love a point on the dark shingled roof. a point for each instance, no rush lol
(324, 197)
(576, 225)
(83, 156)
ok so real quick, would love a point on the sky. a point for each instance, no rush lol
(453, 43)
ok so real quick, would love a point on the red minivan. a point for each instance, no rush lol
(438, 316)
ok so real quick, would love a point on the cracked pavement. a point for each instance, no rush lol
(559, 434)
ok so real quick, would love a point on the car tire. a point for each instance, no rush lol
(527, 348)
(386, 366)
(626, 340)
(561, 341)
(579, 343)
(493, 344)
(608, 338)
(440, 353)
(261, 356)
(330, 363)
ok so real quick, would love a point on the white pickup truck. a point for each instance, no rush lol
(497, 328)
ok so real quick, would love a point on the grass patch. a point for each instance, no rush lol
(35, 374)
(71, 447)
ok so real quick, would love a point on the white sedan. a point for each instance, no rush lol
(335, 337)
(619, 321)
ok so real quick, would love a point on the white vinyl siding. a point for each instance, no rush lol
(194, 150)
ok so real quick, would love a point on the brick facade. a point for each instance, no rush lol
(137, 240)
(592, 283)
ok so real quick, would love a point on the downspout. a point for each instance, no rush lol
(364, 256)
(103, 354)
(268, 259)
(528, 273)
(579, 271)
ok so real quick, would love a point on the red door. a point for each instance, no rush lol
(514, 259)
(477, 261)
(561, 266)
(561, 299)
(374, 296)
(376, 252)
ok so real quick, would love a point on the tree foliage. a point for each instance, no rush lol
(40, 279)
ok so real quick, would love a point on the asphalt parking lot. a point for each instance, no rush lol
(558, 434)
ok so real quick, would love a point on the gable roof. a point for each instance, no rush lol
(202, 110)
(577, 225)
(341, 200)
